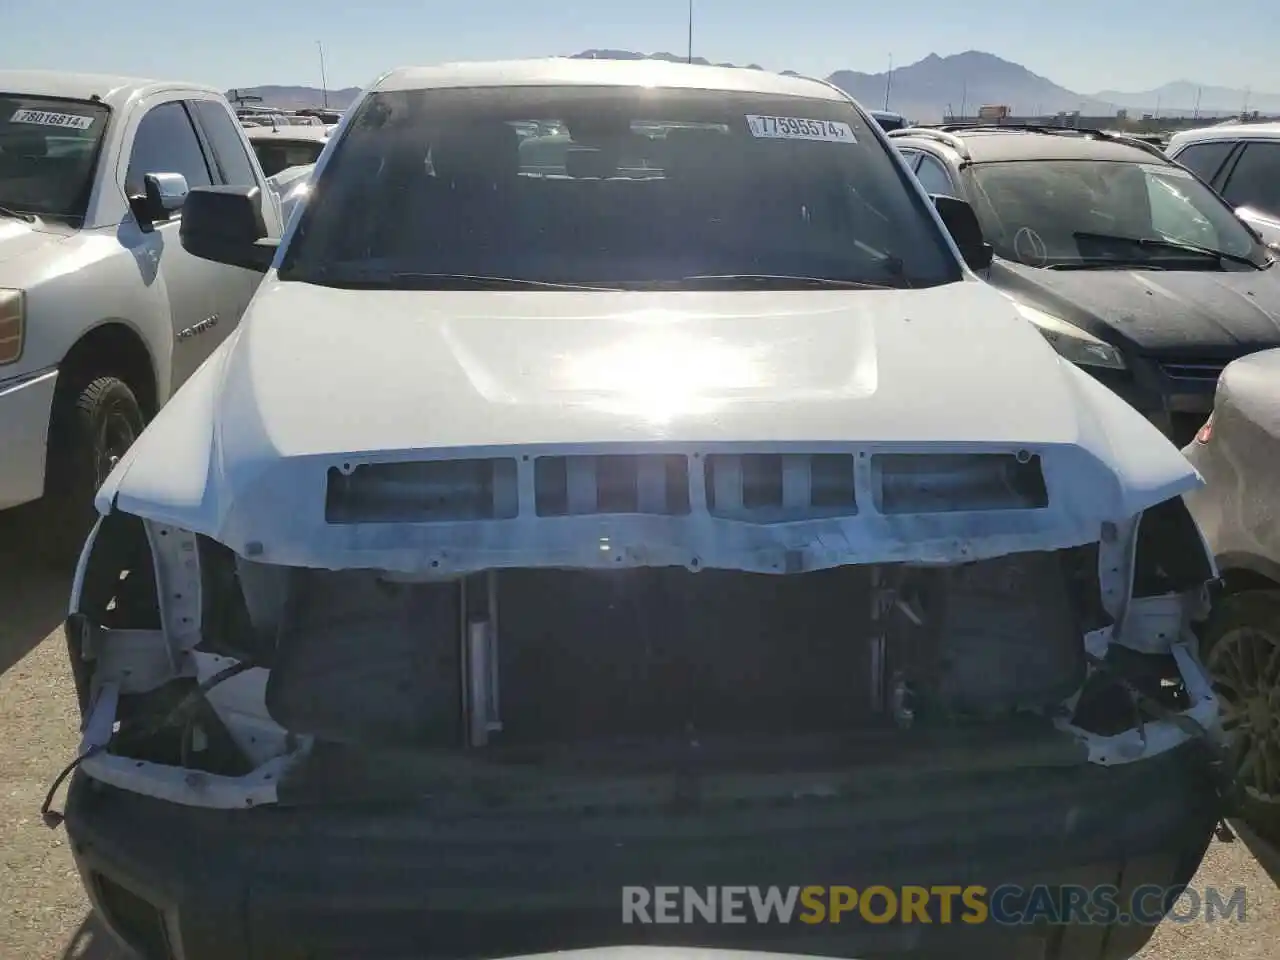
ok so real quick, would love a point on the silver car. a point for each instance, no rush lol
(1238, 454)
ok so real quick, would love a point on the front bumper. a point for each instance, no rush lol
(319, 883)
(25, 404)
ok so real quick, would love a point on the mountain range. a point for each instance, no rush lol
(930, 88)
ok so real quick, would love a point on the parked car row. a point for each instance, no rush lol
(626, 472)
(1128, 263)
(103, 313)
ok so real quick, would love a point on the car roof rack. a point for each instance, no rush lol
(933, 133)
(1044, 128)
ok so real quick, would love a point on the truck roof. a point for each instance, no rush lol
(571, 71)
(111, 89)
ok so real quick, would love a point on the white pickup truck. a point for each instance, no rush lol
(103, 314)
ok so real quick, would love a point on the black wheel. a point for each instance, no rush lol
(1241, 649)
(91, 427)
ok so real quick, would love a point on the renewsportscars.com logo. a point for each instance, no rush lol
(1007, 905)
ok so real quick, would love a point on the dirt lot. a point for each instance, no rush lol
(44, 913)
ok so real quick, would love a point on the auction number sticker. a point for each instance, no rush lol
(67, 121)
(797, 128)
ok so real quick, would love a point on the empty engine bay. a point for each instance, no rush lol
(293, 662)
(523, 657)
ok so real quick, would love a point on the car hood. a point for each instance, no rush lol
(316, 379)
(18, 239)
(1159, 313)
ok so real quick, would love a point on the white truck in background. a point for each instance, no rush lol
(103, 314)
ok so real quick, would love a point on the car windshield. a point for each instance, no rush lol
(613, 187)
(277, 155)
(48, 152)
(1047, 213)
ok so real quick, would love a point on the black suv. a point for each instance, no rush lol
(1127, 262)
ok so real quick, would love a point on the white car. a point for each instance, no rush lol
(280, 147)
(691, 514)
(103, 314)
(1242, 162)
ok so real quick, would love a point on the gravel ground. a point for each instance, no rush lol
(43, 913)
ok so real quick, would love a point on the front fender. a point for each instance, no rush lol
(1148, 467)
(165, 474)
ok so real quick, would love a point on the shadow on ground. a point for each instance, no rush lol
(92, 942)
(33, 597)
(1266, 852)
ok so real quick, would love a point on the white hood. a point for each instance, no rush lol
(315, 377)
(18, 238)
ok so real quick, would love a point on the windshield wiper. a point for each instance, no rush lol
(775, 281)
(1164, 244)
(470, 281)
(17, 215)
(1103, 263)
(439, 281)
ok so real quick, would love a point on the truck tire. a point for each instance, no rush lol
(1241, 650)
(93, 423)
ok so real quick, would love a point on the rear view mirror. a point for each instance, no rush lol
(226, 225)
(962, 224)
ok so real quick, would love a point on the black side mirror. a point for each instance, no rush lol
(962, 223)
(226, 225)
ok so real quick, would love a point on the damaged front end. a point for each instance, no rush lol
(603, 630)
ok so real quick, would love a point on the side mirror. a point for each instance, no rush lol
(226, 225)
(962, 223)
(163, 195)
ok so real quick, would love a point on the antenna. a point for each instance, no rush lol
(888, 82)
(689, 55)
(324, 80)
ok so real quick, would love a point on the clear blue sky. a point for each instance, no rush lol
(1085, 45)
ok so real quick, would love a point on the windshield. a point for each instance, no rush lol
(613, 187)
(48, 151)
(1061, 212)
(277, 155)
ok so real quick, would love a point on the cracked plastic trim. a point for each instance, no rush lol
(1157, 736)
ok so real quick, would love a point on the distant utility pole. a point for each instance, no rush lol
(1195, 113)
(964, 100)
(324, 80)
(1244, 110)
(888, 82)
(1158, 99)
(689, 54)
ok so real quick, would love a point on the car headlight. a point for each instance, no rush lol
(1076, 345)
(12, 324)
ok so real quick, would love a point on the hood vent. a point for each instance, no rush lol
(947, 483)
(755, 488)
(423, 492)
(771, 487)
(643, 483)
